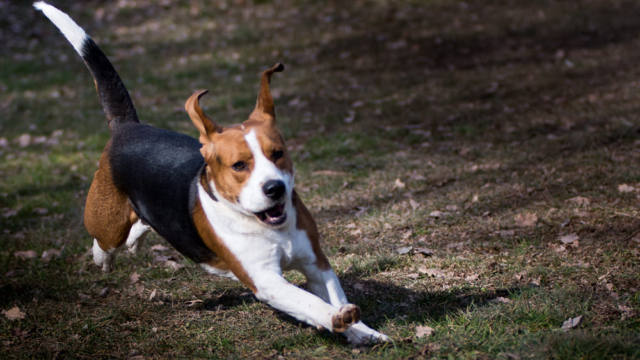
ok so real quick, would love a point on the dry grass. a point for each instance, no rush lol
(486, 112)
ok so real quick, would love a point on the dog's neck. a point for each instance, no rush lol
(205, 181)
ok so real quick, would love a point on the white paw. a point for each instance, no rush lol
(105, 260)
(361, 334)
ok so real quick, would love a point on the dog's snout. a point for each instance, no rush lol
(274, 189)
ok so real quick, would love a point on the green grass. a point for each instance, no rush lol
(482, 111)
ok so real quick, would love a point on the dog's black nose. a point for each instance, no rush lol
(274, 189)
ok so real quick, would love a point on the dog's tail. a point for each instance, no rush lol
(116, 102)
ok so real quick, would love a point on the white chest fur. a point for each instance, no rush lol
(255, 245)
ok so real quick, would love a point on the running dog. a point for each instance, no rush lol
(227, 201)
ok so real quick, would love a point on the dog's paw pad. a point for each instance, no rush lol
(346, 316)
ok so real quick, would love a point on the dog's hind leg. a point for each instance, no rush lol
(137, 234)
(108, 216)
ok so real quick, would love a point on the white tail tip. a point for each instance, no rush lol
(74, 33)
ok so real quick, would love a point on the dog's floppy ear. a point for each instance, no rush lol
(205, 125)
(265, 110)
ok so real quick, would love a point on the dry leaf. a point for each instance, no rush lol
(583, 264)
(579, 213)
(579, 201)
(191, 303)
(436, 214)
(425, 251)
(526, 219)
(626, 311)
(29, 254)
(624, 188)
(168, 262)
(48, 254)
(7, 213)
(568, 239)
(356, 232)
(139, 289)
(505, 233)
(501, 299)
(40, 211)
(351, 115)
(134, 278)
(173, 265)
(422, 331)
(451, 207)
(472, 277)
(572, 323)
(434, 272)
(414, 204)
(413, 276)
(455, 245)
(159, 247)
(103, 292)
(416, 176)
(24, 140)
(153, 295)
(19, 333)
(407, 235)
(399, 184)
(14, 314)
(519, 276)
(404, 250)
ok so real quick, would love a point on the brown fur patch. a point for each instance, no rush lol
(225, 259)
(308, 224)
(108, 216)
(347, 316)
(271, 140)
(229, 148)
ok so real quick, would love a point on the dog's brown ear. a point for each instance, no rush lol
(265, 110)
(205, 125)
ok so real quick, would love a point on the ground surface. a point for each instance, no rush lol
(473, 167)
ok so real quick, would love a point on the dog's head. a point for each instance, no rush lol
(248, 164)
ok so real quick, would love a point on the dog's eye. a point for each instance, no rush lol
(277, 155)
(239, 166)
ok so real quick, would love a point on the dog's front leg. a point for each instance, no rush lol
(273, 289)
(326, 285)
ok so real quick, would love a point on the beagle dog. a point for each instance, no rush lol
(227, 201)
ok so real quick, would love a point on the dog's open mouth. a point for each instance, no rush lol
(273, 216)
